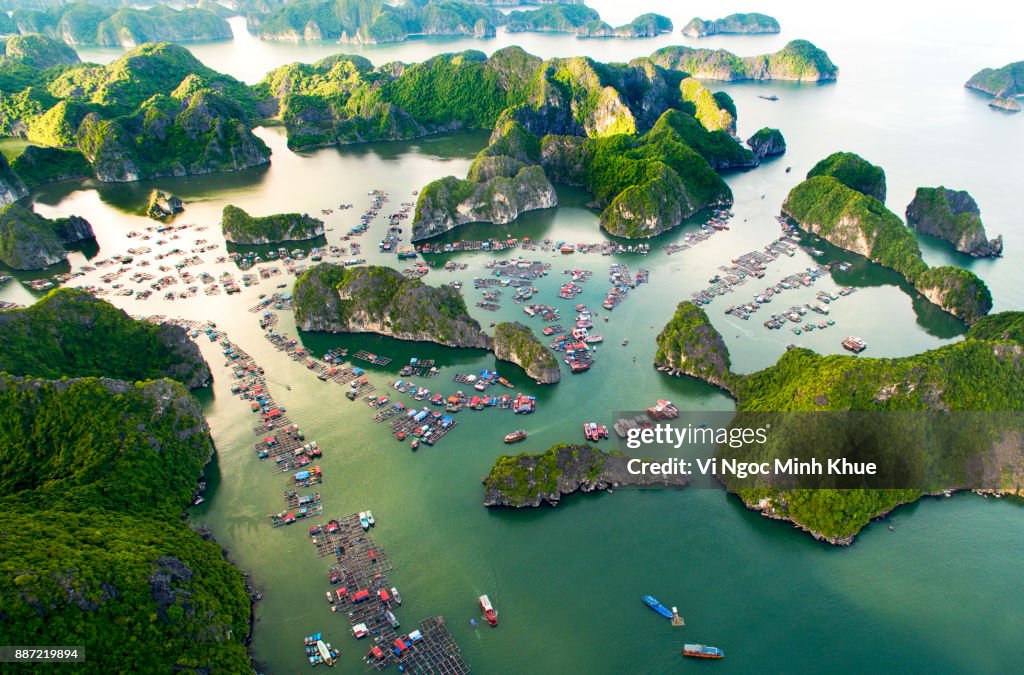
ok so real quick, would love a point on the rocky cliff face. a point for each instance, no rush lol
(517, 344)
(767, 143)
(957, 291)
(163, 205)
(11, 187)
(952, 215)
(380, 300)
(449, 202)
(690, 345)
(1007, 104)
(525, 481)
(27, 240)
(73, 229)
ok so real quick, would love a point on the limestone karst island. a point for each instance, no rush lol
(510, 336)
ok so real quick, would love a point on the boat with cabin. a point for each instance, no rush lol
(653, 603)
(515, 436)
(489, 612)
(703, 652)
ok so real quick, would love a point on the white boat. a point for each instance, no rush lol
(395, 595)
(363, 520)
(325, 653)
(369, 518)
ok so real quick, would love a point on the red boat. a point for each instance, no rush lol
(489, 614)
(515, 436)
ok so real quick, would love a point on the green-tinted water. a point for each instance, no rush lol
(567, 581)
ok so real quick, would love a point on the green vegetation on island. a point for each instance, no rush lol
(767, 142)
(155, 111)
(734, 24)
(380, 300)
(854, 172)
(94, 474)
(71, 333)
(518, 344)
(799, 60)
(163, 205)
(84, 23)
(375, 21)
(241, 228)
(29, 241)
(12, 187)
(1006, 82)
(952, 215)
(981, 374)
(35, 51)
(38, 165)
(860, 223)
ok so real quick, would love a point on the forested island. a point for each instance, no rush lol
(122, 572)
(85, 23)
(380, 300)
(981, 373)
(1004, 83)
(838, 202)
(529, 480)
(518, 344)
(954, 216)
(241, 228)
(29, 241)
(155, 111)
(378, 21)
(734, 24)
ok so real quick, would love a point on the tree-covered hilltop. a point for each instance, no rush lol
(734, 24)
(644, 26)
(35, 51)
(952, 215)
(517, 343)
(552, 19)
(854, 172)
(94, 475)
(380, 300)
(644, 184)
(38, 165)
(71, 333)
(374, 21)
(767, 142)
(345, 99)
(981, 373)
(29, 241)
(689, 344)
(799, 60)
(1005, 82)
(85, 23)
(155, 111)
(241, 228)
(862, 224)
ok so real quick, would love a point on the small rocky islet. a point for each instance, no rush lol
(733, 24)
(954, 216)
(29, 241)
(530, 480)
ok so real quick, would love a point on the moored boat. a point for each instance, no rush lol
(364, 522)
(854, 344)
(703, 652)
(653, 603)
(489, 612)
(325, 652)
(369, 518)
(396, 596)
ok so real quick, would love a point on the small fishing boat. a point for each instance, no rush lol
(396, 596)
(703, 652)
(415, 444)
(392, 619)
(363, 521)
(515, 436)
(369, 518)
(489, 613)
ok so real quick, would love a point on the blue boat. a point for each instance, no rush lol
(653, 603)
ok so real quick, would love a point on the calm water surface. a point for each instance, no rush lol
(567, 581)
